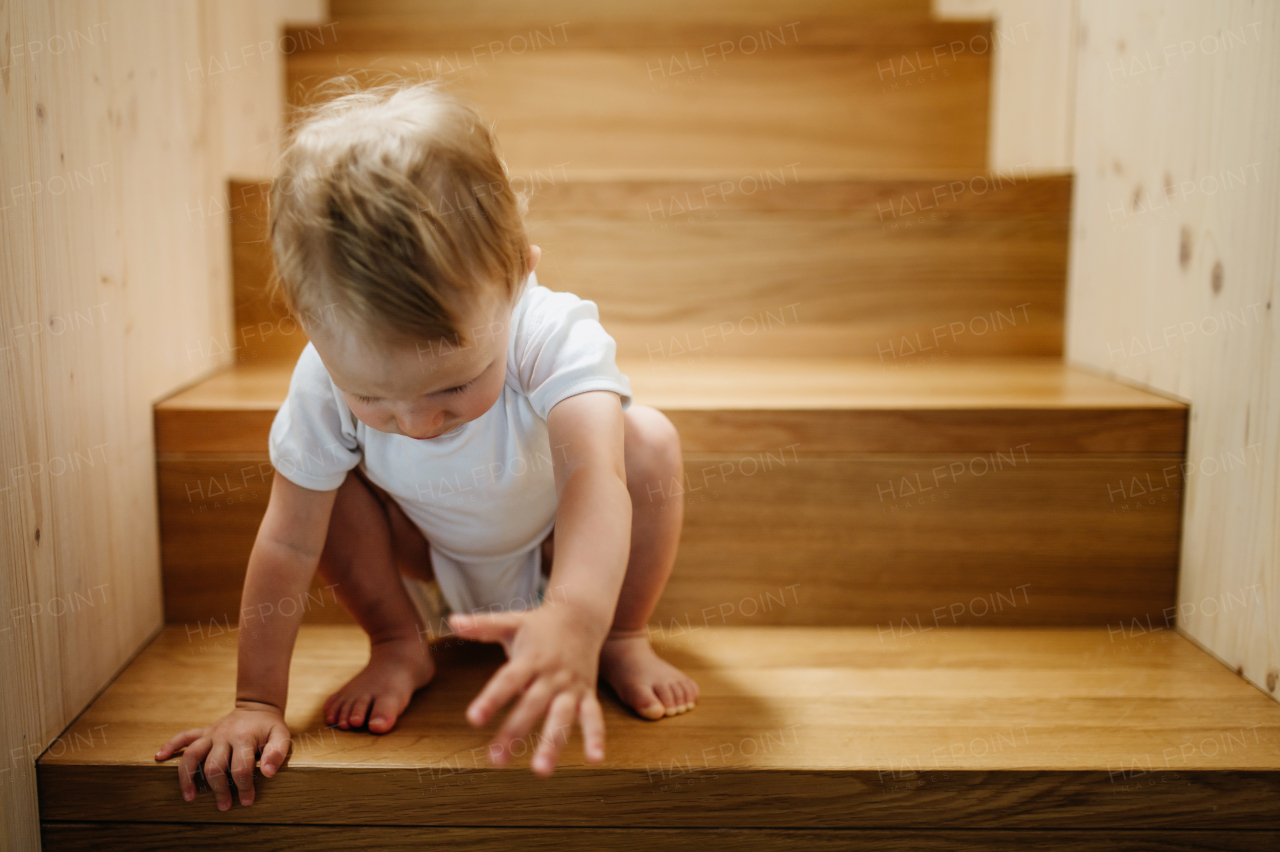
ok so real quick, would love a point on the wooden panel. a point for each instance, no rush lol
(89, 837)
(264, 329)
(1174, 277)
(210, 510)
(632, 108)
(743, 37)
(795, 727)
(1033, 78)
(822, 266)
(626, 10)
(894, 431)
(782, 276)
(1008, 537)
(828, 405)
(990, 539)
(114, 271)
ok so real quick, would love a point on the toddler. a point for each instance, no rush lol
(451, 422)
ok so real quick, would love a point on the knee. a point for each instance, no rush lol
(652, 447)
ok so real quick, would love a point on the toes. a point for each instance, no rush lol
(682, 700)
(689, 690)
(386, 710)
(344, 713)
(645, 702)
(359, 708)
(667, 697)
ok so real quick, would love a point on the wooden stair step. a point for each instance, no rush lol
(493, 42)
(839, 729)
(354, 11)
(824, 94)
(778, 263)
(824, 404)
(885, 492)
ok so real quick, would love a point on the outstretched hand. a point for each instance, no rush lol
(553, 659)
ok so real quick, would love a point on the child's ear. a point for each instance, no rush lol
(535, 254)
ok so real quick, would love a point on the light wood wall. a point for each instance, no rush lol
(1174, 279)
(1175, 145)
(114, 256)
(1032, 79)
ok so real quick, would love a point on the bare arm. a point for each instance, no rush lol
(284, 559)
(554, 649)
(593, 521)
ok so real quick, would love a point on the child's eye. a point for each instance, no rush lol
(366, 399)
(461, 388)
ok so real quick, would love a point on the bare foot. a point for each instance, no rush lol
(649, 684)
(396, 670)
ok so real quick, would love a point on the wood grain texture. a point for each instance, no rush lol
(114, 271)
(1033, 78)
(774, 263)
(784, 536)
(210, 510)
(619, 10)
(150, 837)
(899, 260)
(264, 329)
(892, 540)
(1174, 283)
(521, 33)
(634, 108)
(795, 727)
(826, 404)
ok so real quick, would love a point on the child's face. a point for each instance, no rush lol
(425, 391)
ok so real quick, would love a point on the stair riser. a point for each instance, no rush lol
(823, 269)
(91, 837)
(831, 799)
(781, 537)
(357, 12)
(603, 106)
(1093, 430)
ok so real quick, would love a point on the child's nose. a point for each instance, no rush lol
(418, 424)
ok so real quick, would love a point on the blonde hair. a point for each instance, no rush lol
(393, 204)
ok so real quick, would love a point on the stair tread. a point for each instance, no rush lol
(1087, 692)
(811, 699)
(732, 404)
(693, 383)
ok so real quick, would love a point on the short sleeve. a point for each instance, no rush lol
(313, 439)
(559, 349)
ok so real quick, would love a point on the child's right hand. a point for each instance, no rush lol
(237, 737)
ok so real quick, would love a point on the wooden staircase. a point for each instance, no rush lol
(927, 577)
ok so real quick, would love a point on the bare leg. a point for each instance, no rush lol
(367, 547)
(651, 686)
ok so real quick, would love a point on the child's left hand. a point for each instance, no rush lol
(554, 659)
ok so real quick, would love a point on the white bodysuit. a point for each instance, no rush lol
(484, 494)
